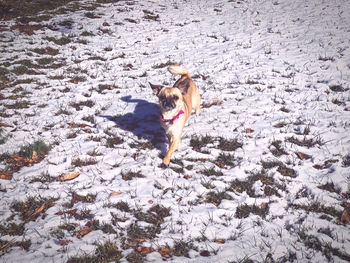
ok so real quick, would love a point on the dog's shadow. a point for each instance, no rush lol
(143, 122)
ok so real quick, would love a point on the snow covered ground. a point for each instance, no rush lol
(262, 175)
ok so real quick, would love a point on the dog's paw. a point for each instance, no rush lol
(166, 161)
(164, 166)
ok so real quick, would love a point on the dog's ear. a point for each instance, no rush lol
(183, 86)
(156, 88)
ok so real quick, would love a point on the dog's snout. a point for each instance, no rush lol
(169, 103)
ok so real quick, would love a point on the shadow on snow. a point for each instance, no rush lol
(143, 122)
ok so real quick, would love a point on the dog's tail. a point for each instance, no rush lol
(177, 69)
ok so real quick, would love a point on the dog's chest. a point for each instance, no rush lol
(174, 129)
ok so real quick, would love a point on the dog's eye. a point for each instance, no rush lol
(175, 97)
(162, 97)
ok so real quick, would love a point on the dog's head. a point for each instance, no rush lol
(169, 98)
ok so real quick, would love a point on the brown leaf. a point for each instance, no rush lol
(6, 175)
(114, 194)
(35, 157)
(186, 176)
(84, 231)
(220, 241)
(105, 24)
(328, 187)
(16, 158)
(68, 176)
(21, 161)
(303, 156)
(264, 205)
(80, 198)
(4, 125)
(345, 217)
(249, 130)
(221, 165)
(300, 155)
(144, 250)
(75, 198)
(37, 212)
(164, 252)
(138, 240)
(72, 212)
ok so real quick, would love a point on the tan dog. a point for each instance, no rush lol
(175, 104)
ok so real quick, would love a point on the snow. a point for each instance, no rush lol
(266, 62)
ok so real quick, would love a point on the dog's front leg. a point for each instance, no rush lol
(174, 143)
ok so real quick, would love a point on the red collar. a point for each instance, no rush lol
(173, 119)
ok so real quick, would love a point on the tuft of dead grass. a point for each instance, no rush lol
(10, 9)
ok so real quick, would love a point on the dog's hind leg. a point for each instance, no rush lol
(197, 109)
(196, 102)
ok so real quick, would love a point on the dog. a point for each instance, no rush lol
(176, 104)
